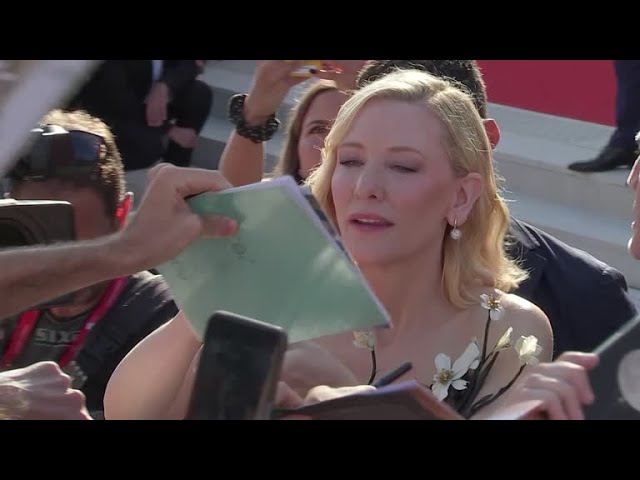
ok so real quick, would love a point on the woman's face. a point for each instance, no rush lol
(393, 185)
(317, 123)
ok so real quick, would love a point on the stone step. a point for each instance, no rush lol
(604, 238)
(535, 150)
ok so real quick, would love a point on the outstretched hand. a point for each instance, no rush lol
(271, 83)
(165, 224)
(562, 387)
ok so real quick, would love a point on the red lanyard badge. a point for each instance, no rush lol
(28, 320)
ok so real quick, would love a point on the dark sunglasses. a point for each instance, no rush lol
(58, 153)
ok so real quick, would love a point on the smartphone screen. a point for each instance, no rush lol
(239, 369)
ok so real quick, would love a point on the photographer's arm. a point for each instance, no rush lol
(31, 275)
(161, 228)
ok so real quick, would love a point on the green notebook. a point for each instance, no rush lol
(286, 266)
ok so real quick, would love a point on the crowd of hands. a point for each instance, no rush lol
(561, 387)
(45, 391)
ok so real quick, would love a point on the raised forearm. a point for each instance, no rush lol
(242, 161)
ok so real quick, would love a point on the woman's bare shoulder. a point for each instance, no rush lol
(527, 319)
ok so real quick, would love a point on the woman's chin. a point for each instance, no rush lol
(372, 258)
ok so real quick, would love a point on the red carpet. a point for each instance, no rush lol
(580, 89)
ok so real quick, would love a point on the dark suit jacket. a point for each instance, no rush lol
(585, 299)
(116, 94)
(118, 88)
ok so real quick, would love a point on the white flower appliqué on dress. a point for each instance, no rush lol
(451, 376)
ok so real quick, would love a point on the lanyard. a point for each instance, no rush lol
(27, 322)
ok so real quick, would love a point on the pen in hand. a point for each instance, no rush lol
(393, 375)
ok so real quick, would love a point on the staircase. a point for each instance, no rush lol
(589, 211)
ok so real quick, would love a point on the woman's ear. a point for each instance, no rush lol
(493, 131)
(467, 194)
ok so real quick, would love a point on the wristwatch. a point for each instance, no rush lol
(255, 133)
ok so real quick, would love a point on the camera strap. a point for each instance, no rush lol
(28, 320)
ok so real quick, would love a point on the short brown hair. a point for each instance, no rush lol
(464, 74)
(110, 183)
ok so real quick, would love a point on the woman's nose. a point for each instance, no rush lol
(370, 183)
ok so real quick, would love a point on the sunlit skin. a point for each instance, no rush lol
(91, 221)
(315, 127)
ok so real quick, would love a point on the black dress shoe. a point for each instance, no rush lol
(609, 159)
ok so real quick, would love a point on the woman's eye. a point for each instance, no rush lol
(403, 169)
(350, 162)
(319, 130)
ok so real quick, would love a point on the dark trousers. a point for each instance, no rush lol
(141, 145)
(627, 104)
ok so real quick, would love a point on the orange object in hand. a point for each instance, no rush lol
(307, 67)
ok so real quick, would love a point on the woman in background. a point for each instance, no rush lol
(310, 119)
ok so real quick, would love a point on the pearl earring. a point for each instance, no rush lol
(455, 232)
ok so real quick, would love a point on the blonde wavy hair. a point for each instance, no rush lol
(478, 258)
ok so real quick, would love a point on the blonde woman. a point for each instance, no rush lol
(407, 178)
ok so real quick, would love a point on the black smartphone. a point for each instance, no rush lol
(239, 369)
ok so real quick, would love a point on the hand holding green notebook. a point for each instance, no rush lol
(285, 266)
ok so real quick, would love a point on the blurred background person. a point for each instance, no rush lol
(254, 116)
(89, 336)
(620, 151)
(155, 109)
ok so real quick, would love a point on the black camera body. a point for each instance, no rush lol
(36, 222)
